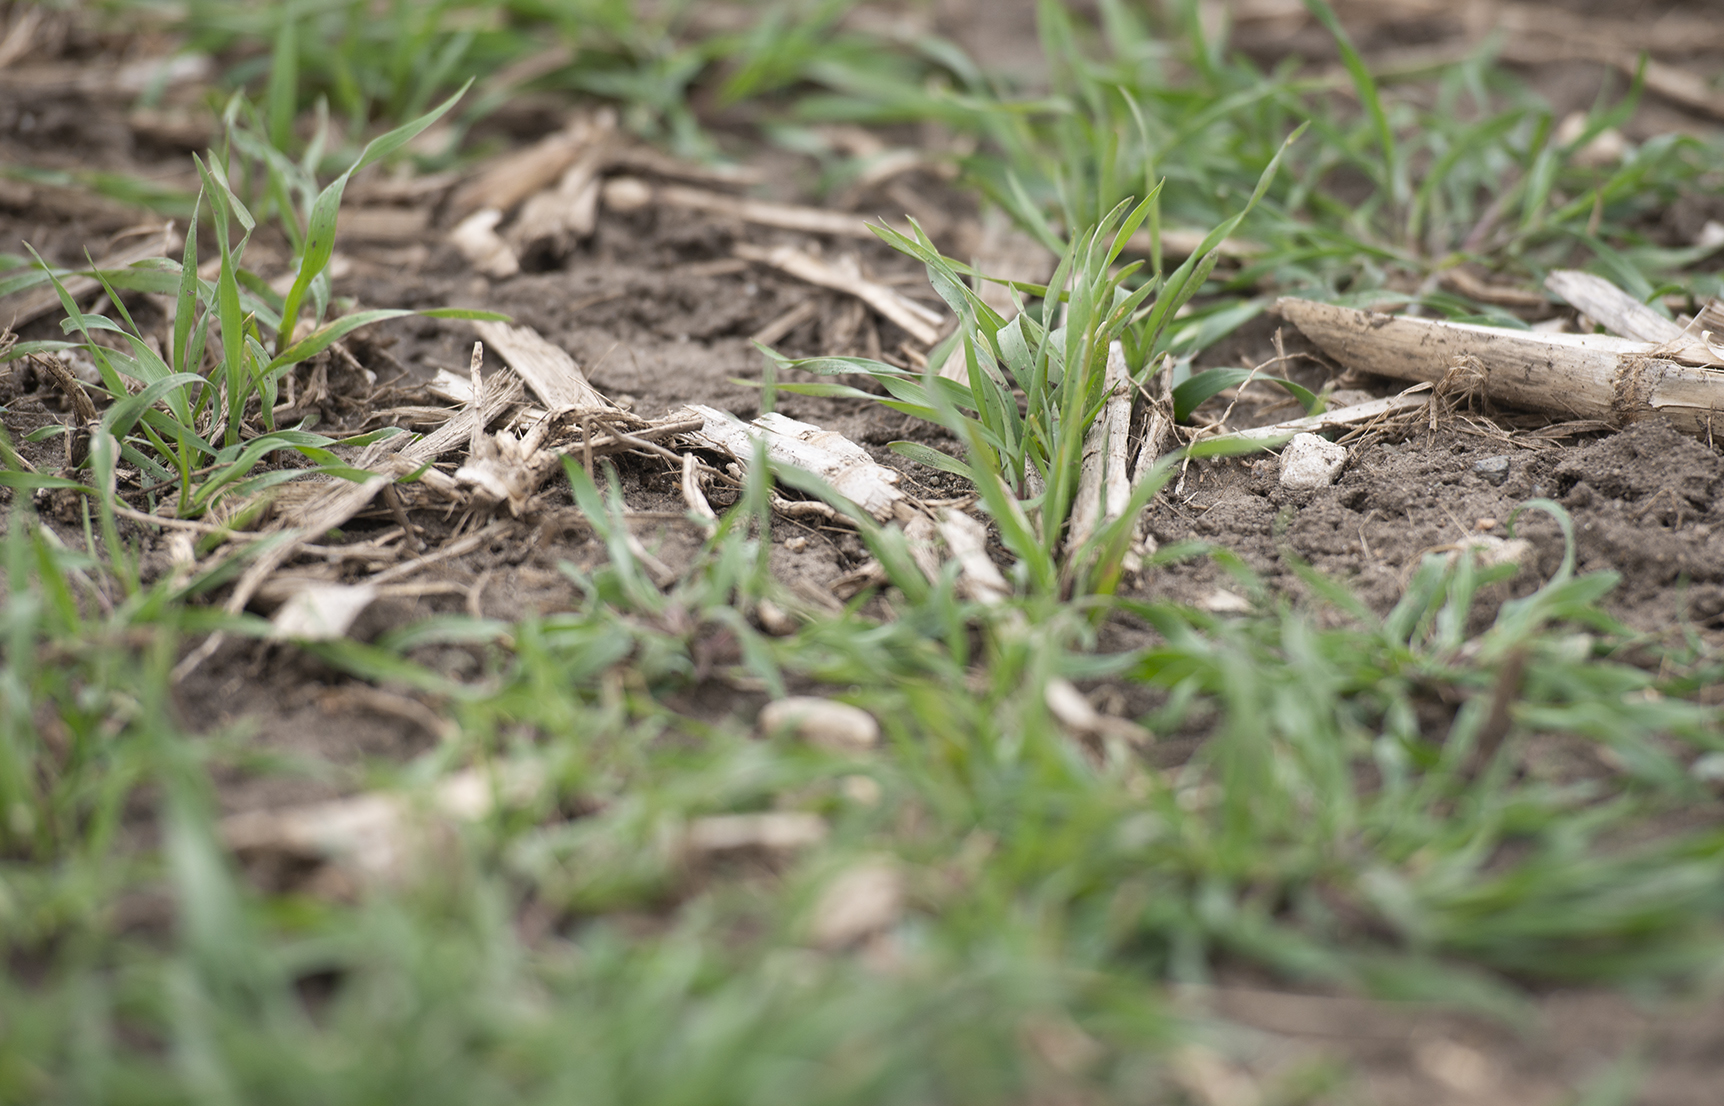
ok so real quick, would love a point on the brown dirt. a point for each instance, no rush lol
(659, 314)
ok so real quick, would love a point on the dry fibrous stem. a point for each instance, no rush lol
(632, 194)
(547, 369)
(1104, 484)
(921, 323)
(831, 456)
(1582, 376)
(512, 178)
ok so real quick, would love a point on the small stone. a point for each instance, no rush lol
(1311, 462)
(1494, 470)
(836, 727)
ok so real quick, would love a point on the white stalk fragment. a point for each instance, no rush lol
(824, 723)
(840, 462)
(776, 831)
(1072, 710)
(1104, 484)
(864, 900)
(1158, 438)
(692, 494)
(1581, 376)
(1625, 316)
(1409, 402)
(515, 176)
(829, 455)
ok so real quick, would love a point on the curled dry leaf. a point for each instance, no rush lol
(838, 727)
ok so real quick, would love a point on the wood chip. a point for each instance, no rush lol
(548, 370)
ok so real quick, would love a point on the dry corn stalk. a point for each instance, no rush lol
(1582, 376)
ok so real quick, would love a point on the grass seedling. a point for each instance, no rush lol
(188, 416)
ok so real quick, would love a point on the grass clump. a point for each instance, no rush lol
(199, 415)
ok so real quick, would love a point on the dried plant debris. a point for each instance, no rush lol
(382, 837)
(924, 324)
(1578, 376)
(831, 456)
(834, 726)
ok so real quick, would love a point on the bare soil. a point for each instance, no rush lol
(659, 312)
